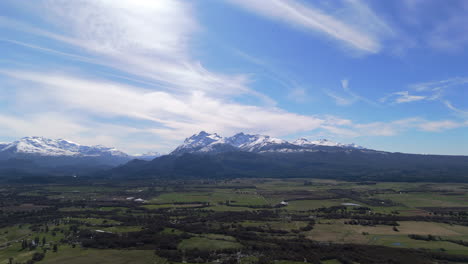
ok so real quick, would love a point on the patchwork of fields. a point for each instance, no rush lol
(151, 222)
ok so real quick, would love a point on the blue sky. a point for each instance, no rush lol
(143, 75)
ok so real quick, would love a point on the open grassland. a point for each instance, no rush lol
(13, 233)
(279, 225)
(95, 221)
(96, 256)
(427, 199)
(304, 205)
(209, 243)
(98, 224)
(403, 241)
(337, 231)
(121, 229)
(214, 197)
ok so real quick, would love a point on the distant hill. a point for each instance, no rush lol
(60, 156)
(210, 156)
(206, 155)
(204, 142)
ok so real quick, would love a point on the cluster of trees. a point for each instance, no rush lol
(263, 242)
(362, 166)
(362, 198)
(438, 238)
(148, 239)
(371, 222)
(33, 244)
(268, 249)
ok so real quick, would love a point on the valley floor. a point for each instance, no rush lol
(234, 221)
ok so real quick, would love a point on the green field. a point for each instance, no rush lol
(209, 242)
(98, 224)
(93, 256)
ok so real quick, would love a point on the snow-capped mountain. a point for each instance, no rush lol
(3, 144)
(61, 153)
(39, 155)
(201, 142)
(258, 143)
(204, 142)
(324, 142)
(41, 146)
(147, 156)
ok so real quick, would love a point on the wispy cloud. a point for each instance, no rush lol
(148, 40)
(463, 113)
(165, 93)
(347, 97)
(357, 25)
(402, 97)
(170, 115)
(395, 127)
(295, 91)
(165, 115)
(430, 91)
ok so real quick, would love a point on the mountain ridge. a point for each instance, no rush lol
(205, 155)
(60, 157)
(204, 142)
(41, 146)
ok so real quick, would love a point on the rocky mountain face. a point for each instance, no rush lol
(40, 146)
(205, 155)
(39, 154)
(204, 142)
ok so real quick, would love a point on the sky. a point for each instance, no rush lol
(142, 75)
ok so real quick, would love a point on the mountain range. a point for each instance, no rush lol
(206, 155)
(204, 142)
(60, 156)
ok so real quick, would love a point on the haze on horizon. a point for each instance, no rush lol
(144, 75)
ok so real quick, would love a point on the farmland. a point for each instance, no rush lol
(244, 220)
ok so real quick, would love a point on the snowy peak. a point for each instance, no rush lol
(326, 142)
(198, 142)
(259, 143)
(148, 156)
(303, 142)
(204, 142)
(41, 146)
(240, 139)
(202, 139)
(245, 141)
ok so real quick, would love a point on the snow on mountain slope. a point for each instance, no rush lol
(57, 147)
(303, 142)
(204, 142)
(259, 143)
(147, 156)
(43, 146)
(240, 139)
(198, 142)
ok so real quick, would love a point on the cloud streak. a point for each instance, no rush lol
(179, 115)
(356, 26)
(348, 97)
(148, 40)
(163, 93)
(430, 91)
